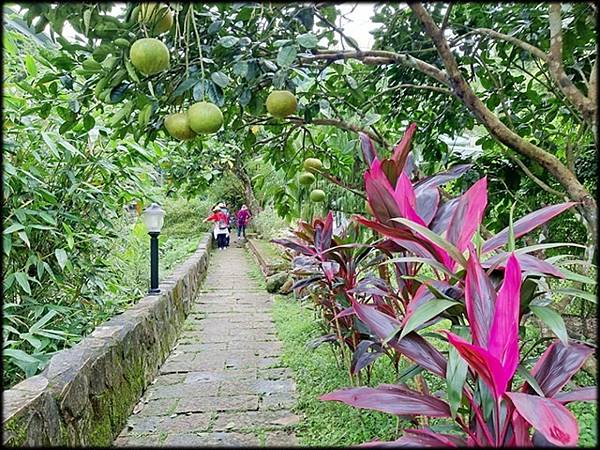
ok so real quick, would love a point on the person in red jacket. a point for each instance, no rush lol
(220, 230)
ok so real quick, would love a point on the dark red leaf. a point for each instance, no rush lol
(442, 178)
(399, 401)
(586, 394)
(368, 148)
(526, 224)
(427, 203)
(402, 149)
(557, 365)
(528, 263)
(412, 345)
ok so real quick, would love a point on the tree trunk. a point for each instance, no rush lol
(251, 200)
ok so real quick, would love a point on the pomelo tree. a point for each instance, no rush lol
(526, 73)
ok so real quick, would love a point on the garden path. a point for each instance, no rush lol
(223, 383)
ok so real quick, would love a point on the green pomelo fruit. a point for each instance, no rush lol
(312, 164)
(158, 15)
(149, 56)
(317, 195)
(281, 103)
(205, 117)
(178, 126)
(306, 178)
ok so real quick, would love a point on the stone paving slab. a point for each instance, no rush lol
(223, 383)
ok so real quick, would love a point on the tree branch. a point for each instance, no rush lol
(535, 51)
(592, 86)
(495, 126)
(584, 105)
(377, 57)
(535, 179)
(339, 124)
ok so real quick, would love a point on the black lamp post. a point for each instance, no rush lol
(153, 218)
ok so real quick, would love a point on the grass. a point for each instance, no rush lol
(316, 373)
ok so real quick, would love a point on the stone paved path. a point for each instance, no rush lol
(223, 383)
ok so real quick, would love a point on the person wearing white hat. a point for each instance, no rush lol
(220, 230)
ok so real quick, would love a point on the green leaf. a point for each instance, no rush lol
(436, 239)
(577, 293)
(286, 56)
(19, 355)
(530, 379)
(184, 86)
(425, 312)
(215, 94)
(228, 41)
(554, 321)
(24, 238)
(511, 231)
(61, 257)
(23, 281)
(14, 227)
(220, 79)
(456, 372)
(307, 40)
(30, 65)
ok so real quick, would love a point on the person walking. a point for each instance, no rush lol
(225, 211)
(220, 230)
(243, 217)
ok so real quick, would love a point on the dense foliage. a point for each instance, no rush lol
(372, 312)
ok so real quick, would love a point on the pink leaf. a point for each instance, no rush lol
(380, 194)
(480, 298)
(403, 147)
(555, 422)
(526, 224)
(586, 394)
(503, 341)
(528, 263)
(468, 215)
(483, 363)
(406, 200)
(398, 400)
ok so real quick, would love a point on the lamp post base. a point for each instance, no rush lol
(154, 291)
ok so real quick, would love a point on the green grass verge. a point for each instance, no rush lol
(316, 373)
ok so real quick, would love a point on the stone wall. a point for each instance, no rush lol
(87, 392)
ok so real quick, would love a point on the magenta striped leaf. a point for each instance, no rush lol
(483, 363)
(503, 340)
(397, 400)
(586, 394)
(528, 263)
(368, 148)
(526, 224)
(402, 149)
(480, 298)
(557, 365)
(406, 200)
(555, 422)
(468, 215)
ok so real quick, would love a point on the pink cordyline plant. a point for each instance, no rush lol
(481, 368)
(492, 357)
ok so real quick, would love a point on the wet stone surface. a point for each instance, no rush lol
(223, 383)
